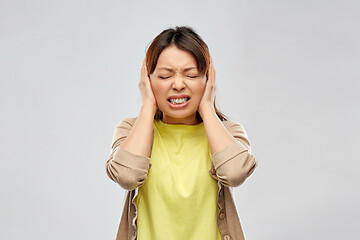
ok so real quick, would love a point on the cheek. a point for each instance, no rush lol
(201, 86)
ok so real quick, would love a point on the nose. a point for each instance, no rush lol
(178, 83)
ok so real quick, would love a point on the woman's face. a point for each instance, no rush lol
(177, 86)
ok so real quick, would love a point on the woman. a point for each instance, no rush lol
(180, 157)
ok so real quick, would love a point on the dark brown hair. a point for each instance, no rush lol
(184, 38)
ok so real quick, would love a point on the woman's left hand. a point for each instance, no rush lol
(208, 97)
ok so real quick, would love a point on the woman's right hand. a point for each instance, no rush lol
(147, 94)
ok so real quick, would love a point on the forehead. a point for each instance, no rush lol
(175, 58)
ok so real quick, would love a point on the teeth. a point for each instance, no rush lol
(178, 100)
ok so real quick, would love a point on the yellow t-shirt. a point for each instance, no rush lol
(178, 199)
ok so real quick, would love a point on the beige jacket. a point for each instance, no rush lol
(231, 166)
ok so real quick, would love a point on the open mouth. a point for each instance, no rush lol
(178, 100)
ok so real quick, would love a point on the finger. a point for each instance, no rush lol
(214, 73)
(146, 71)
(143, 66)
(211, 69)
(143, 73)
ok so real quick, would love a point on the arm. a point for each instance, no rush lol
(230, 148)
(129, 160)
(127, 169)
(234, 163)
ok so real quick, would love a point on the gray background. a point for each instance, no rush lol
(287, 70)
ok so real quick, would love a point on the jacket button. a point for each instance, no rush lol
(213, 171)
(227, 237)
(222, 216)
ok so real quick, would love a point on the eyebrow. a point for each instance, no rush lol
(171, 70)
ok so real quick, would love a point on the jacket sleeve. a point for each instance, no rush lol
(127, 169)
(233, 164)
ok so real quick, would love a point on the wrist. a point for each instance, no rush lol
(206, 109)
(149, 107)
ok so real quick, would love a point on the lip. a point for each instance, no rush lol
(179, 96)
(179, 105)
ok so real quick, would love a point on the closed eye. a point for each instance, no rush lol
(192, 76)
(163, 77)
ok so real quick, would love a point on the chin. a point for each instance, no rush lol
(180, 117)
(179, 113)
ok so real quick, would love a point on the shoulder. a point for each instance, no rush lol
(123, 128)
(126, 123)
(231, 125)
